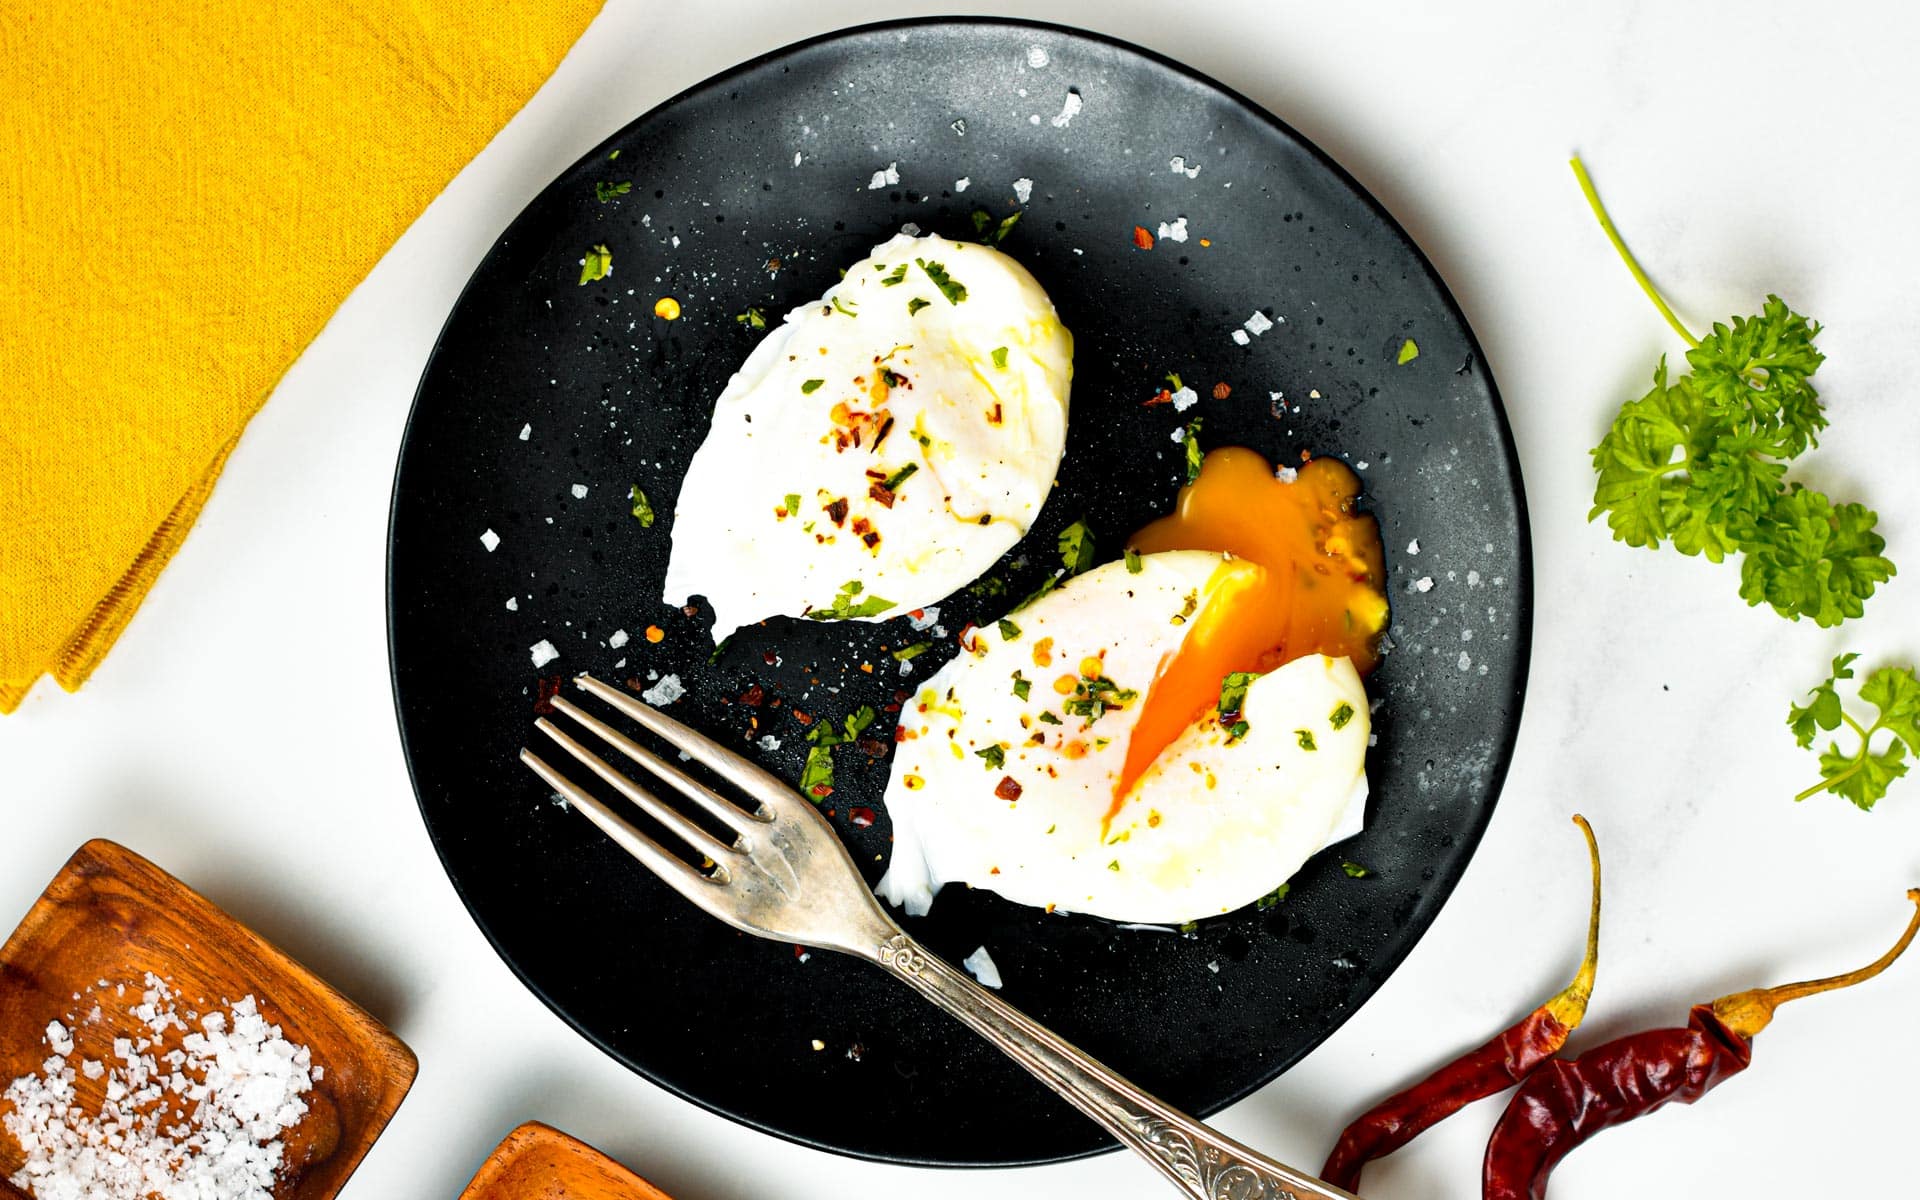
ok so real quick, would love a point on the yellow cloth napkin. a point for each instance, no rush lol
(188, 189)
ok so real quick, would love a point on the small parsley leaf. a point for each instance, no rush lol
(951, 288)
(1863, 776)
(993, 756)
(916, 304)
(811, 386)
(604, 192)
(1000, 357)
(598, 264)
(1076, 547)
(1134, 566)
(642, 508)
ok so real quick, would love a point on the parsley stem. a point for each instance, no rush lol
(1626, 255)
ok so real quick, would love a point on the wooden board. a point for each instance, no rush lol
(111, 915)
(538, 1162)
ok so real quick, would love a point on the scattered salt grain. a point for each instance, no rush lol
(58, 1039)
(1473, 579)
(962, 184)
(665, 692)
(925, 617)
(543, 653)
(490, 539)
(579, 491)
(1069, 109)
(513, 604)
(1175, 232)
(526, 431)
(884, 178)
(1422, 584)
(1240, 337)
(1179, 435)
(796, 158)
(1258, 323)
(1036, 57)
(769, 742)
(1413, 547)
(1466, 660)
(1185, 399)
(1286, 474)
(910, 229)
(1023, 189)
(980, 964)
(1178, 165)
(617, 639)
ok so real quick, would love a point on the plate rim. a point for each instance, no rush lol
(1506, 447)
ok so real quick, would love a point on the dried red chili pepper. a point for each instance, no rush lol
(1567, 1101)
(1493, 1067)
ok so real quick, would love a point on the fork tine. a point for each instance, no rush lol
(712, 802)
(672, 871)
(647, 802)
(732, 767)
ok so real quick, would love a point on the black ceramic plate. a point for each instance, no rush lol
(540, 384)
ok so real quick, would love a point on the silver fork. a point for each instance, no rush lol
(787, 876)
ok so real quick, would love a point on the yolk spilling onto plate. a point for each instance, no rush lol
(1321, 590)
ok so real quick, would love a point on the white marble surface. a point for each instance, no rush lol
(1657, 697)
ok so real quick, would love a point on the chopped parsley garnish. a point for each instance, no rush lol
(1306, 739)
(907, 653)
(1022, 686)
(993, 756)
(1236, 731)
(1046, 585)
(897, 275)
(1272, 898)
(793, 504)
(753, 318)
(1233, 691)
(951, 288)
(598, 264)
(816, 778)
(1076, 547)
(1008, 630)
(604, 192)
(839, 307)
(1409, 350)
(1094, 695)
(1133, 561)
(1049, 719)
(992, 585)
(811, 386)
(916, 304)
(845, 606)
(1114, 865)
(1339, 717)
(1355, 871)
(989, 231)
(899, 477)
(1194, 456)
(642, 509)
(1000, 357)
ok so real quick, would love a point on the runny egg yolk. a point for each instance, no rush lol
(1320, 588)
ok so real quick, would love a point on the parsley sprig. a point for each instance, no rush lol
(1862, 776)
(1700, 462)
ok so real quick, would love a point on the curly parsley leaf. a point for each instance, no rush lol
(1700, 463)
(1863, 776)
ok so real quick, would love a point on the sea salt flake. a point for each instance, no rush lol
(526, 431)
(1069, 109)
(1258, 323)
(543, 653)
(1037, 57)
(1178, 165)
(884, 178)
(1466, 660)
(665, 692)
(490, 540)
(1177, 231)
(1286, 474)
(1413, 547)
(1240, 337)
(1185, 399)
(1023, 189)
(617, 639)
(980, 964)
(513, 604)
(926, 617)
(1422, 584)
(579, 491)
(768, 742)
(962, 184)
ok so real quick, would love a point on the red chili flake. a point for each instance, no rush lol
(1163, 396)
(838, 511)
(871, 539)
(634, 684)
(900, 696)
(803, 718)
(799, 951)
(862, 818)
(994, 415)
(821, 789)
(754, 696)
(544, 691)
(691, 610)
(893, 708)
(1008, 788)
(872, 747)
(1221, 391)
(1142, 238)
(861, 524)
(769, 657)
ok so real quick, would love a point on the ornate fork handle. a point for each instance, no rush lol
(1202, 1163)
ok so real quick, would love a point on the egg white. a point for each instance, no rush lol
(981, 418)
(1214, 824)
